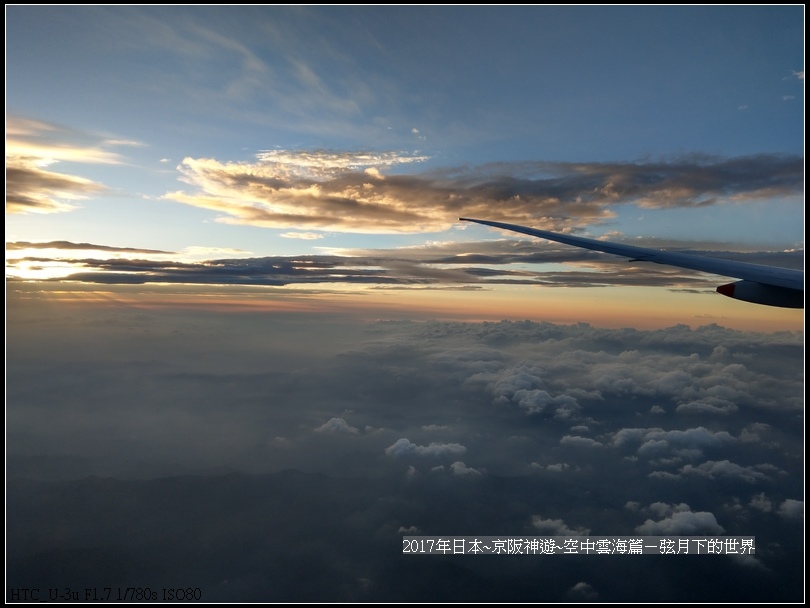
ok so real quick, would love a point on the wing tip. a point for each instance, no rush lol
(726, 290)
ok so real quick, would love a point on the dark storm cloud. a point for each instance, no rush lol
(191, 422)
(324, 190)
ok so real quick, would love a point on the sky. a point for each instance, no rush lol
(179, 146)
(245, 329)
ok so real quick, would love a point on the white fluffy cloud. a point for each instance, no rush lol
(461, 469)
(656, 442)
(577, 441)
(582, 592)
(792, 509)
(679, 520)
(556, 527)
(761, 503)
(336, 425)
(403, 447)
(727, 469)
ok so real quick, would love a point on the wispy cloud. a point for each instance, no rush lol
(278, 72)
(31, 146)
(727, 469)
(70, 246)
(30, 189)
(437, 265)
(307, 236)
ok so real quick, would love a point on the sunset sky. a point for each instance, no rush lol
(201, 141)
(234, 268)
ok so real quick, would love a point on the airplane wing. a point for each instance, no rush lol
(760, 284)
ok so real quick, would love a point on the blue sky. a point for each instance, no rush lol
(159, 128)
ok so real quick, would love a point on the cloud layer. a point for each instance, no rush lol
(236, 434)
(349, 192)
(450, 264)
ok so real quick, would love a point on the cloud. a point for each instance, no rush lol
(761, 503)
(656, 442)
(727, 469)
(336, 425)
(556, 527)
(679, 520)
(576, 441)
(68, 246)
(403, 447)
(753, 432)
(31, 146)
(467, 265)
(461, 469)
(307, 236)
(200, 398)
(197, 251)
(582, 592)
(749, 561)
(325, 164)
(124, 142)
(349, 192)
(523, 385)
(707, 407)
(324, 190)
(792, 509)
(30, 189)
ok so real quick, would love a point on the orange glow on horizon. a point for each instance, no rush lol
(642, 308)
